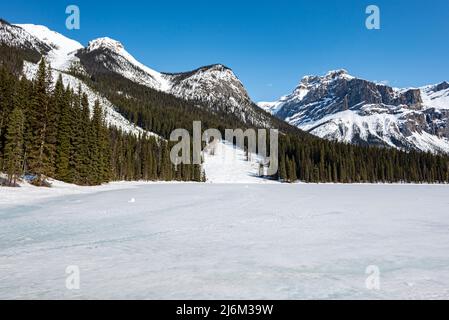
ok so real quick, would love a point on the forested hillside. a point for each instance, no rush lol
(51, 132)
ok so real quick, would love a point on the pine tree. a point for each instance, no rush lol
(283, 168)
(14, 146)
(39, 157)
(291, 170)
(76, 138)
(99, 146)
(62, 98)
(105, 151)
(52, 120)
(6, 106)
(84, 151)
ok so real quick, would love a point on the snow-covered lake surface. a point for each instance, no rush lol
(227, 241)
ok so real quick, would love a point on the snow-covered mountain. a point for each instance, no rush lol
(60, 52)
(17, 37)
(107, 55)
(338, 106)
(215, 86)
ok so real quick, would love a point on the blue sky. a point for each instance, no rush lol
(270, 45)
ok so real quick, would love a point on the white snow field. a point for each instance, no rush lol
(227, 241)
(226, 163)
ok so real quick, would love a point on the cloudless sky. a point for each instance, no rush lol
(270, 45)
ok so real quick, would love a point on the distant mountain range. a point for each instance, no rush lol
(341, 107)
(336, 106)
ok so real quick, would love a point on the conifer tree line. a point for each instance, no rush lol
(50, 130)
(325, 161)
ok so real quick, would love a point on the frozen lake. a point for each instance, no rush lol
(230, 241)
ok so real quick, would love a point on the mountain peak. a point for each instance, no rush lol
(105, 43)
(337, 73)
(209, 68)
(329, 76)
(442, 86)
(217, 66)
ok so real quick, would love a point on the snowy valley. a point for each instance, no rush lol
(234, 233)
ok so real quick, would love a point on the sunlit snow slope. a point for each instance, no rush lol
(224, 163)
(62, 54)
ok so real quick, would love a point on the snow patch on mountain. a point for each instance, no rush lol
(17, 37)
(343, 126)
(270, 107)
(63, 50)
(436, 96)
(383, 127)
(113, 118)
(428, 142)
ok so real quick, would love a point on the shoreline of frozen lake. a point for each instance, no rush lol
(228, 241)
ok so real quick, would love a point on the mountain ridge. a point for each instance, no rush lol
(338, 106)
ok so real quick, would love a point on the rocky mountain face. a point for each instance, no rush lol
(218, 87)
(341, 107)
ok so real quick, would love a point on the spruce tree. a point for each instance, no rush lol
(14, 146)
(39, 157)
(6, 106)
(62, 98)
(99, 146)
(76, 138)
(84, 151)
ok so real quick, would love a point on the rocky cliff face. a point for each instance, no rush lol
(219, 88)
(341, 107)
